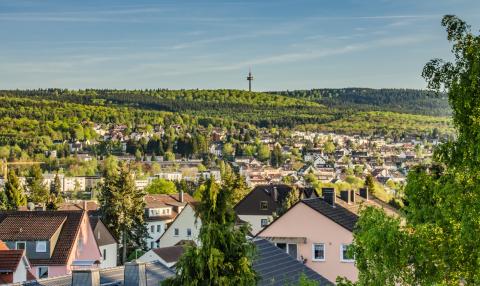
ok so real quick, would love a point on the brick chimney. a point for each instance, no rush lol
(135, 274)
(329, 195)
(180, 196)
(364, 193)
(352, 196)
(86, 277)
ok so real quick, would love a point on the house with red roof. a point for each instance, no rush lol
(53, 241)
(14, 265)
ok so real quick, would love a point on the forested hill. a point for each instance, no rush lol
(398, 100)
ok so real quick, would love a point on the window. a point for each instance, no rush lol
(263, 222)
(20, 245)
(290, 248)
(176, 232)
(318, 252)
(40, 246)
(344, 255)
(264, 205)
(152, 228)
(42, 272)
(104, 254)
(159, 228)
(189, 232)
(152, 244)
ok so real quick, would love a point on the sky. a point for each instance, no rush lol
(210, 44)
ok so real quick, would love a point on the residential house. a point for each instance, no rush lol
(185, 227)
(160, 210)
(321, 239)
(14, 265)
(52, 240)
(168, 256)
(264, 201)
(107, 244)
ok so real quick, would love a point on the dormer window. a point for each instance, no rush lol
(20, 245)
(263, 205)
(41, 246)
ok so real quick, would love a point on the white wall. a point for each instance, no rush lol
(255, 221)
(155, 234)
(20, 274)
(111, 252)
(186, 219)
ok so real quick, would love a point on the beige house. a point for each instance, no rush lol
(318, 232)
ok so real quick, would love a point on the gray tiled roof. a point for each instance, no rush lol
(336, 213)
(156, 272)
(277, 268)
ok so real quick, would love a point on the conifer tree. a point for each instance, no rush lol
(3, 201)
(14, 192)
(225, 255)
(39, 193)
(122, 207)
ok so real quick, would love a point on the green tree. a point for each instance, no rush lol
(276, 158)
(169, 156)
(370, 183)
(161, 186)
(263, 152)
(15, 196)
(225, 255)
(56, 186)
(39, 193)
(329, 147)
(3, 201)
(122, 207)
(292, 198)
(239, 189)
(436, 243)
(228, 150)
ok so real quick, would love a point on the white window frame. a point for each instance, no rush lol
(39, 242)
(324, 252)
(342, 259)
(17, 242)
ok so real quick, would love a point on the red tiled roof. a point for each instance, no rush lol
(20, 227)
(67, 236)
(163, 200)
(9, 259)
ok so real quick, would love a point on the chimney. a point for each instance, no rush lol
(85, 205)
(346, 195)
(329, 195)
(364, 193)
(134, 274)
(180, 196)
(275, 193)
(85, 277)
(352, 196)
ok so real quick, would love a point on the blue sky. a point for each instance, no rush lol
(289, 44)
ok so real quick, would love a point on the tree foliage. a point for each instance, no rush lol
(225, 255)
(14, 193)
(122, 208)
(436, 243)
(161, 186)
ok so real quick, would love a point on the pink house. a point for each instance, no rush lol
(52, 240)
(318, 232)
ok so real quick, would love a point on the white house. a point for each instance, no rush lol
(185, 227)
(166, 255)
(107, 244)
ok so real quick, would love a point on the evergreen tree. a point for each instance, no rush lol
(56, 186)
(122, 207)
(276, 158)
(225, 255)
(292, 198)
(239, 189)
(39, 193)
(14, 192)
(370, 184)
(3, 201)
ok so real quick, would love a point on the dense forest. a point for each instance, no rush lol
(36, 118)
(366, 99)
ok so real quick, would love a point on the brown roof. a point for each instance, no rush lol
(162, 200)
(170, 254)
(67, 237)
(19, 227)
(90, 206)
(9, 260)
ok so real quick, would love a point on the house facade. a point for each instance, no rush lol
(185, 227)
(52, 240)
(318, 233)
